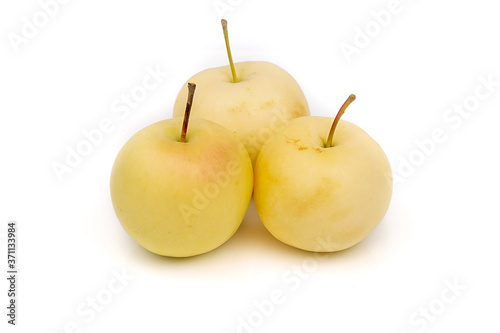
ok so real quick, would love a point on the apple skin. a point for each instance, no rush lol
(181, 199)
(263, 100)
(321, 199)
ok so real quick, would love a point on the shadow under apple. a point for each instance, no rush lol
(250, 242)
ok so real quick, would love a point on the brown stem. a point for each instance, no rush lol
(348, 101)
(191, 87)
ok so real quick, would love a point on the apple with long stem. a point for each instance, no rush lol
(253, 99)
(322, 192)
(181, 193)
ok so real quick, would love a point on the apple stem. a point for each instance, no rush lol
(349, 100)
(226, 38)
(191, 88)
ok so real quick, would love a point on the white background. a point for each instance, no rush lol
(441, 228)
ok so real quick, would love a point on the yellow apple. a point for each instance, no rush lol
(255, 103)
(317, 195)
(181, 197)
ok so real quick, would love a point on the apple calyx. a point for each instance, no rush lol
(191, 88)
(230, 57)
(349, 100)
